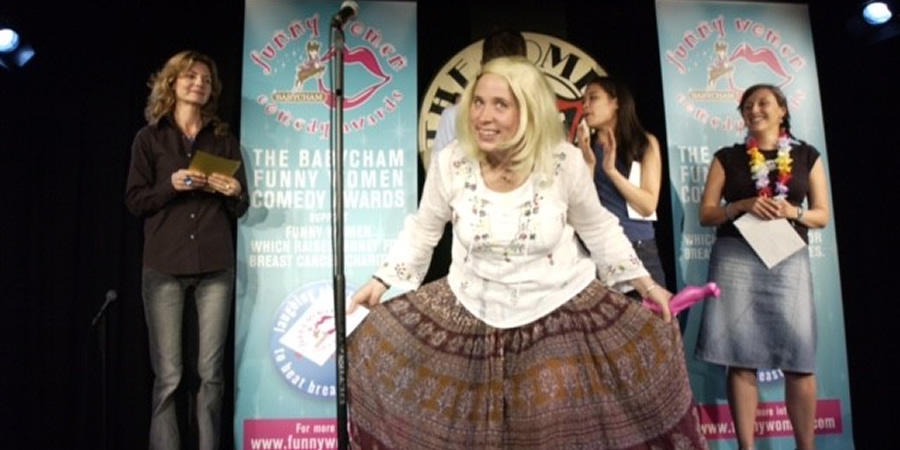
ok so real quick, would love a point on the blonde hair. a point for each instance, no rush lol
(540, 128)
(161, 100)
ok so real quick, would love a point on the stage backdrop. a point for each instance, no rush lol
(710, 52)
(284, 352)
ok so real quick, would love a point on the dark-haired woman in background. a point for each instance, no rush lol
(622, 146)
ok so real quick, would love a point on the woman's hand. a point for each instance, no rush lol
(655, 293)
(766, 208)
(367, 296)
(661, 297)
(188, 180)
(583, 139)
(787, 210)
(228, 186)
(608, 139)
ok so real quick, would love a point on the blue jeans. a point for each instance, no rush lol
(648, 253)
(164, 301)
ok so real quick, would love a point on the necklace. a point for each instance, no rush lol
(503, 175)
(760, 171)
(506, 177)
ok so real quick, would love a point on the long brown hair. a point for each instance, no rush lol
(631, 137)
(161, 100)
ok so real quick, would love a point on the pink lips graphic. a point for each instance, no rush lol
(324, 320)
(763, 56)
(366, 58)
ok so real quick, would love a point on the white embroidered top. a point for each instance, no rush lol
(515, 255)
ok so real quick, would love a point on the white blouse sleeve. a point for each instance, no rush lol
(407, 262)
(598, 228)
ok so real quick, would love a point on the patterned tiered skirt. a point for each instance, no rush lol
(600, 372)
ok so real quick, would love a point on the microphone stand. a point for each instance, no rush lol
(340, 325)
(104, 381)
(100, 325)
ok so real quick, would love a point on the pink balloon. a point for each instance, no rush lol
(686, 298)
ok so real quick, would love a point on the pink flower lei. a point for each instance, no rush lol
(760, 171)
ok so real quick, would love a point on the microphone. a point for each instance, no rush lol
(349, 10)
(110, 297)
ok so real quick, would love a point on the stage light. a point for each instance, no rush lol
(14, 53)
(876, 13)
(9, 40)
(863, 27)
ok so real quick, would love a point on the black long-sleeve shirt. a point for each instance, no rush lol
(184, 232)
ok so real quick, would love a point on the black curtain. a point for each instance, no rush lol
(67, 121)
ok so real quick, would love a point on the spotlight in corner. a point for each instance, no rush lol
(14, 53)
(9, 40)
(873, 22)
(876, 13)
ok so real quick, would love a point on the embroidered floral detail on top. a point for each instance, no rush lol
(558, 158)
(463, 167)
(402, 272)
(611, 271)
(525, 234)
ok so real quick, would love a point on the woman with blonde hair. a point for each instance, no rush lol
(527, 343)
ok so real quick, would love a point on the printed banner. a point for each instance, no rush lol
(710, 52)
(286, 392)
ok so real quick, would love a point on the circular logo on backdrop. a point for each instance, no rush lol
(567, 67)
(303, 341)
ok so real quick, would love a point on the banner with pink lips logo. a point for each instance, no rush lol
(285, 393)
(710, 52)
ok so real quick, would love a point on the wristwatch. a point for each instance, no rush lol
(799, 213)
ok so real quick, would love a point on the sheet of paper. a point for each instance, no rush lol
(772, 240)
(208, 163)
(634, 177)
(312, 335)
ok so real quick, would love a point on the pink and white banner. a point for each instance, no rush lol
(286, 379)
(710, 52)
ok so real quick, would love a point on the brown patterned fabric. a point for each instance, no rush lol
(600, 372)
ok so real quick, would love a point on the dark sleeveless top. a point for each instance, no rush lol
(612, 199)
(739, 183)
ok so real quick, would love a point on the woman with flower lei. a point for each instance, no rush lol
(765, 318)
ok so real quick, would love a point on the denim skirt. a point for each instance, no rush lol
(765, 318)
